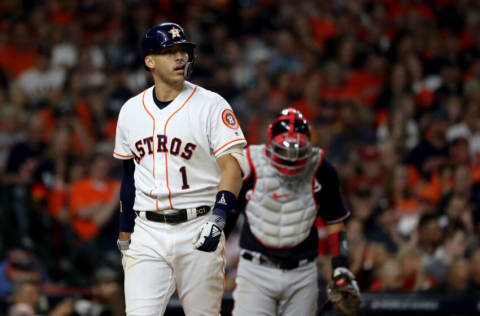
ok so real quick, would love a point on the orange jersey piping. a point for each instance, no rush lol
(232, 141)
(153, 135)
(124, 156)
(165, 133)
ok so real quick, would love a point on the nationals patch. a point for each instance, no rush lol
(229, 119)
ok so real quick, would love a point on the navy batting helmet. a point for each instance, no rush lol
(165, 35)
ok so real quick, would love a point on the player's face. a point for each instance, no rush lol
(169, 64)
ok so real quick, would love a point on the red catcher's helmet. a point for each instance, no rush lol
(288, 147)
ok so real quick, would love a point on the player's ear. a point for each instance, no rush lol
(149, 62)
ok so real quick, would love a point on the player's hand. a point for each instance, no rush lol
(343, 292)
(209, 236)
(123, 245)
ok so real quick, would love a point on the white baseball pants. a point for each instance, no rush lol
(161, 259)
(268, 291)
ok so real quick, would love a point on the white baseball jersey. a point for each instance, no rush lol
(175, 148)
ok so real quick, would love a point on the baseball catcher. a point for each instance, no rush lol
(287, 185)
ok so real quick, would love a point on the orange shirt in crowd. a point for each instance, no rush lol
(322, 29)
(15, 60)
(85, 194)
(365, 86)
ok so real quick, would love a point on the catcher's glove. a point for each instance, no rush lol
(343, 292)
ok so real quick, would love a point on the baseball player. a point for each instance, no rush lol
(182, 147)
(287, 185)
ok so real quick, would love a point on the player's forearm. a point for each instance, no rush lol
(124, 236)
(231, 174)
(337, 242)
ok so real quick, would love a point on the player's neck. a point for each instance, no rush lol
(167, 91)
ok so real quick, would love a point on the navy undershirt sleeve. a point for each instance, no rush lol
(332, 206)
(127, 197)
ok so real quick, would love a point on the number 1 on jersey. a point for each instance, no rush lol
(183, 171)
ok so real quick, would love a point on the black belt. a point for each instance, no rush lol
(179, 216)
(275, 262)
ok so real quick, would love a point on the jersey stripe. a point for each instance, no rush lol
(223, 272)
(153, 135)
(124, 156)
(165, 133)
(232, 141)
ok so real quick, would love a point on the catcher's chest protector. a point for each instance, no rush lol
(281, 213)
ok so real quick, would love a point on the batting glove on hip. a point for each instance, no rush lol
(209, 236)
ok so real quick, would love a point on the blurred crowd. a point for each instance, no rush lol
(391, 88)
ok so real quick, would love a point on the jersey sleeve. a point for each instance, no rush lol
(331, 206)
(249, 164)
(224, 129)
(122, 150)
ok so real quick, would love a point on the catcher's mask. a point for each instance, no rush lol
(288, 147)
(165, 35)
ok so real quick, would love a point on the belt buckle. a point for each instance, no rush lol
(254, 257)
(202, 210)
(284, 266)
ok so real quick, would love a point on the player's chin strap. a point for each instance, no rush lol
(188, 69)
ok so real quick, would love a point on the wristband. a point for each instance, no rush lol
(338, 249)
(123, 244)
(224, 203)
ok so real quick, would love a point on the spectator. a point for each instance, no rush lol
(353, 133)
(40, 83)
(93, 200)
(370, 171)
(108, 293)
(459, 204)
(403, 200)
(383, 228)
(19, 53)
(400, 127)
(413, 272)
(454, 247)
(11, 132)
(458, 276)
(398, 85)
(25, 156)
(475, 270)
(26, 296)
(20, 265)
(26, 299)
(389, 278)
(431, 153)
